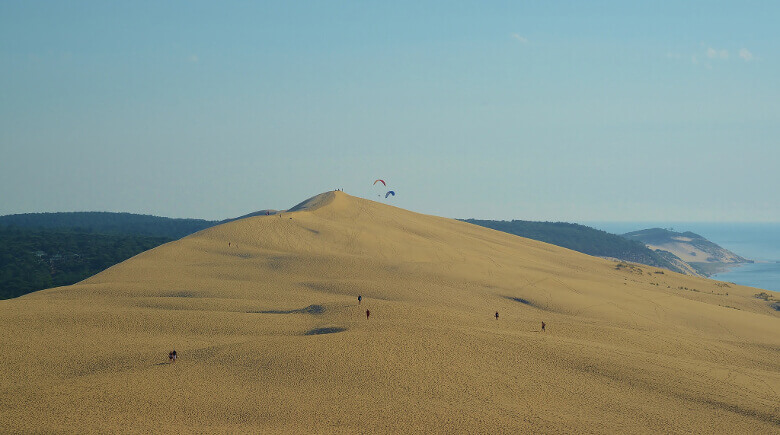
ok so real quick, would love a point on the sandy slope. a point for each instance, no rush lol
(690, 253)
(627, 349)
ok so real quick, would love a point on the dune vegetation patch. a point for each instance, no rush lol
(629, 268)
(765, 296)
(328, 330)
(311, 309)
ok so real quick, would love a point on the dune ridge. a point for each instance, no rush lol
(264, 315)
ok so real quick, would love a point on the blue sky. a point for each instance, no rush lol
(573, 111)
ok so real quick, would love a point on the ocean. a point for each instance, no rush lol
(759, 242)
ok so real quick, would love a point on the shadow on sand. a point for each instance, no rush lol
(522, 301)
(311, 309)
(320, 331)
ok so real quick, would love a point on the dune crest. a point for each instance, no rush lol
(264, 315)
(315, 202)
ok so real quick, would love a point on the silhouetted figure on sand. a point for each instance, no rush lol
(360, 298)
(368, 313)
(172, 356)
(496, 315)
(543, 325)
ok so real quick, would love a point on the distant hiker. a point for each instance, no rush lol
(360, 298)
(228, 244)
(172, 356)
(543, 326)
(368, 313)
(496, 315)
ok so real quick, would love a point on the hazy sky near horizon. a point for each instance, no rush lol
(572, 111)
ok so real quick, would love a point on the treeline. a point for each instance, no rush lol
(659, 236)
(109, 223)
(582, 239)
(35, 259)
(43, 250)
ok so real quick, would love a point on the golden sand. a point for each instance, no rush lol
(263, 313)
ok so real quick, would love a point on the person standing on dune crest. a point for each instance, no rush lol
(360, 298)
(496, 315)
(368, 313)
(543, 326)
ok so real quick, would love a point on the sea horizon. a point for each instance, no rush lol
(756, 241)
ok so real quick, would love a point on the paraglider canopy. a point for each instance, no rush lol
(389, 193)
(383, 182)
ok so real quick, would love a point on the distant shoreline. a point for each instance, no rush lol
(760, 274)
(710, 269)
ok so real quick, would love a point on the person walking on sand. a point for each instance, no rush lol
(496, 315)
(172, 356)
(543, 325)
(360, 298)
(368, 313)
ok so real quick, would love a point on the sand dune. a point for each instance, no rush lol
(264, 315)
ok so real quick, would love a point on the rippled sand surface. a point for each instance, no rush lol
(263, 313)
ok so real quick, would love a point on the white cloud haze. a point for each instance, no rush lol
(521, 39)
(717, 54)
